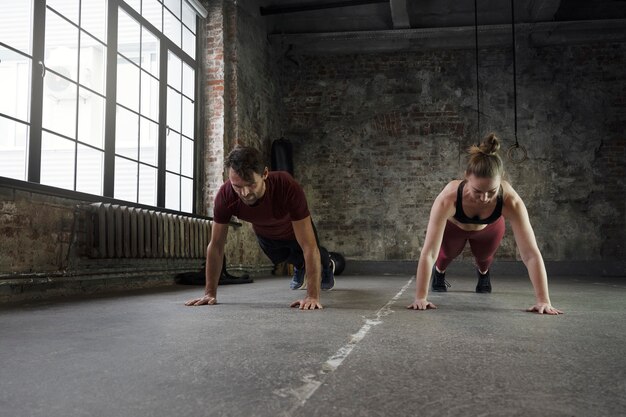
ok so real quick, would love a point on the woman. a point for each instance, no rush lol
(474, 210)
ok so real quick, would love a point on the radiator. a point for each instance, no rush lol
(116, 231)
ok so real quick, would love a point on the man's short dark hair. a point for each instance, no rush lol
(245, 161)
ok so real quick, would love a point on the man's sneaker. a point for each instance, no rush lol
(328, 276)
(297, 282)
(438, 281)
(484, 283)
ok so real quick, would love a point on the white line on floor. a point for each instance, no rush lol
(310, 383)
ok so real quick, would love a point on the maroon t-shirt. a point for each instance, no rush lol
(283, 202)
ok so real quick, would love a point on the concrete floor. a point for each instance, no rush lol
(146, 354)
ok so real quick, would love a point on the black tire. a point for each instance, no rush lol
(340, 262)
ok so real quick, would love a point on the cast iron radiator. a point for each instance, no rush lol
(116, 231)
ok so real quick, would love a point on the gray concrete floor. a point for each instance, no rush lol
(146, 354)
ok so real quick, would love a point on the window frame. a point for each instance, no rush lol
(34, 124)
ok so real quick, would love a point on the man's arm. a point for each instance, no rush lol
(303, 229)
(214, 260)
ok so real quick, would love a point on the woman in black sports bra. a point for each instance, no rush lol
(473, 210)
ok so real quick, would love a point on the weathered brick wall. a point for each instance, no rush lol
(377, 136)
(241, 94)
(36, 232)
(214, 90)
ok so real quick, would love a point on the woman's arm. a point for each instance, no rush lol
(517, 215)
(442, 209)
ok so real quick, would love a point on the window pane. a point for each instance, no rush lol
(89, 170)
(172, 191)
(91, 118)
(189, 17)
(173, 109)
(73, 107)
(186, 195)
(126, 133)
(13, 149)
(16, 25)
(127, 84)
(188, 118)
(92, 63)
(14, 84)
(57, 161)
(189, 43)
(174, 68)
(189, 81)
(153, 12)
(173, 6)
(172, 158)
(172, 27)
(149, 139)
(147, 185)
(187, 158)
(125, 179)
(128, 37)
(68, 8)
(149, 96)
(150, 52)
(61, 51)
(94, 17)
(59, 105)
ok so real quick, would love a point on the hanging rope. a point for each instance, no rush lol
(523, 155)
(477, 81)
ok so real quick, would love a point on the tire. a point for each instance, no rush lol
(339, 260)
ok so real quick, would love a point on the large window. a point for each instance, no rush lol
(100, 97)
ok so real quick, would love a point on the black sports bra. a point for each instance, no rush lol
(461, 217)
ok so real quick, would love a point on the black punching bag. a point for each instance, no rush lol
(282, 155)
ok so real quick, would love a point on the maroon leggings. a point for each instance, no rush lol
(483, 244)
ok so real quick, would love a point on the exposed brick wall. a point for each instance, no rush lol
(214, 108)
(36, 232)
(241, 94)
(377, 136)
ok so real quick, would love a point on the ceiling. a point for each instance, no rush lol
(344, 26)
(333, 16)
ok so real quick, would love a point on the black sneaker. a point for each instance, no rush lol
(438, 281)
(484, 283)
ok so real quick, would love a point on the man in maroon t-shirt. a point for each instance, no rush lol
(276, 206)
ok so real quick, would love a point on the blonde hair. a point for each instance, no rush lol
(484, 161)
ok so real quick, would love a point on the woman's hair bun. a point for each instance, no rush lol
(490, 144)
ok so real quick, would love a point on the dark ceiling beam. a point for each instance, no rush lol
(528, 34)
(307, 7)
(399, 14)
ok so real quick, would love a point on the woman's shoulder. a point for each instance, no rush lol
(512, 200)
(508, 191)
(450, 190)
(446, 199)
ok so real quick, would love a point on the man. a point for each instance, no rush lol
(276, 206)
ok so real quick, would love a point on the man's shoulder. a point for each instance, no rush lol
(281, 176)
(225, 194)
(283, 179)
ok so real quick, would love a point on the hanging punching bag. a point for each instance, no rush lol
(282, 155)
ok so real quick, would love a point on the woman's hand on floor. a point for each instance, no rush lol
(204, 300)
(421, 304)
(544, 308)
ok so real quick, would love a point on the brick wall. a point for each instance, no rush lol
(36, 231)
(214, 87)
(241, 95)
(377, 136)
